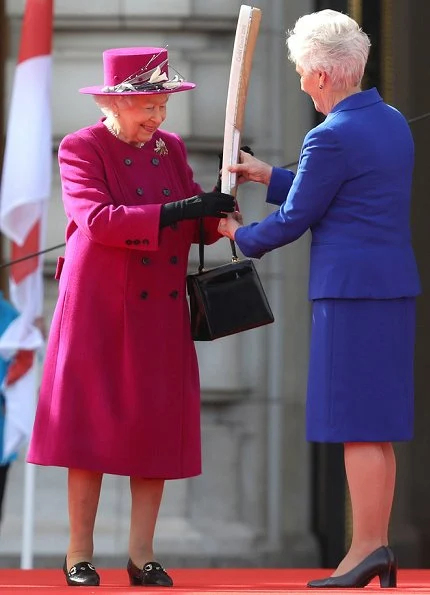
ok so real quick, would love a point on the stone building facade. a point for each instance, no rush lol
(255, 502)
(252, 384)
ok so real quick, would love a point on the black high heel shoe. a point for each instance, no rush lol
(152, 575)
(394, 565)
(82, 574)
(380, 563)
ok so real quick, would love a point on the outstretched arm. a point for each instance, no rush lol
(320, 174)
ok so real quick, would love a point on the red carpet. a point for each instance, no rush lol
(254, 581)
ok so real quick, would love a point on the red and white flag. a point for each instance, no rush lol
(25, 190)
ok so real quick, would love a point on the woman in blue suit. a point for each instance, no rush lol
(352, 189)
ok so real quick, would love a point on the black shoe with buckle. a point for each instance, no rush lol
(152, 575)
(82, 574)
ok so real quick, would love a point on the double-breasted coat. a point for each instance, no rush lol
(120, 387)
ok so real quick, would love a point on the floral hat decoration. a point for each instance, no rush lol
(137, 71)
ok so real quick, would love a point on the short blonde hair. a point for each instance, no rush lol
(332, 42)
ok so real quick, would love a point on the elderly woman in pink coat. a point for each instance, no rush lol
(120, 389)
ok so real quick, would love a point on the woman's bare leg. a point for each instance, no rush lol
(146, 497)
(390, 484)
(370, 478)
(83, 496)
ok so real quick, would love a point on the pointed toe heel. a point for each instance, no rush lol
(152, 575)
(82, 574)
(380, 563)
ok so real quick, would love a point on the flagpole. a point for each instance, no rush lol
(28, 524)
(27, 546)
(28, 518)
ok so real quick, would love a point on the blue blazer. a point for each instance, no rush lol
(353, 190)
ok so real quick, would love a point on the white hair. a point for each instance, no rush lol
(109, 104)
(331, 42)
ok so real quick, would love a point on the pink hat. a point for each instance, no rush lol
(137, 71)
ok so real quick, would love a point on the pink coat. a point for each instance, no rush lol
(120, 389)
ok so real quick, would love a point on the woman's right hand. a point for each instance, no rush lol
(251, 169)
(228, 226)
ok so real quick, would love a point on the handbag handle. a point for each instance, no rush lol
(234, 257)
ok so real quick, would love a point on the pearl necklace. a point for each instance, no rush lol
(116, 135)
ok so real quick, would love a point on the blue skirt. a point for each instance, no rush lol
(361, 371)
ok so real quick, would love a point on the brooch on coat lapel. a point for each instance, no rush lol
(160, 147)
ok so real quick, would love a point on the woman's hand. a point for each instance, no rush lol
(228, 226)
(251, 169)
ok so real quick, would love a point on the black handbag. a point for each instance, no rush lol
(227, 299)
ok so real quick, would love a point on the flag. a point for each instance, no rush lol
(24, 192)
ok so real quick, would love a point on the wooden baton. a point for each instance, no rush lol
(247, 28)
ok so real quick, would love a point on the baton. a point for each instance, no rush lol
(247, 28)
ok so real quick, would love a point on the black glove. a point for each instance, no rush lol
(210, 204)
(245, 149)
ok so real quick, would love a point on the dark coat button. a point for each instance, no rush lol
(155, 161)
(174, 260)
(139, 191)
(145, 242)
(136, 242)
(143, 295)
(129, 242)
(146, 260)
(174, 226)
(174, 294)
(128, 161)
(166, 192)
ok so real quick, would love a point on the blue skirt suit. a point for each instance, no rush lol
(352, 190)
